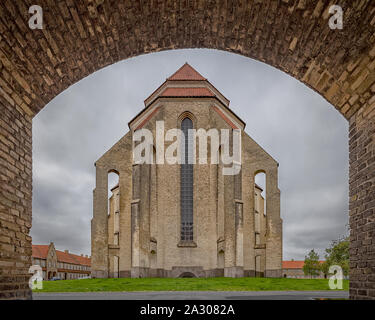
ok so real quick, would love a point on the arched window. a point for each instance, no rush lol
(260, 192)
(259, 207)
(114, 207)
(113, 182)
(186, 183)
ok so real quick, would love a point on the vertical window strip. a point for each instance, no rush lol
(186, 184)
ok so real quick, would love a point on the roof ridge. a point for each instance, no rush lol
(69, 253)
(186, 72)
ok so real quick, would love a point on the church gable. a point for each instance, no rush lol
(254, 151)
(121, 150)
(186, 82)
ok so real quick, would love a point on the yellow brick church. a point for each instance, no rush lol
(181, 212)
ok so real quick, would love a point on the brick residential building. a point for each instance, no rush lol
(294, 269)
(61, 264)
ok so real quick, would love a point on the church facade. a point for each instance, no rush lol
(186, 218)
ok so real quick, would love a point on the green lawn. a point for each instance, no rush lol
(186, 284)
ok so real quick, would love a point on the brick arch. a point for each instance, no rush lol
(186, 114)
(83, 36)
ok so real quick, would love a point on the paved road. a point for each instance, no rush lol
(194, 295)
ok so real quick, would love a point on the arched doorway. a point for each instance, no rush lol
(57, 57)
(187, 275)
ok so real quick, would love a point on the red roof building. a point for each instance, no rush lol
(294, 269)
(40, 251)
(295, 264)
(60, 264)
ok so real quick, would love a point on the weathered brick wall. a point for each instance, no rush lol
(362, 204)
(15, 197)
(82, 36)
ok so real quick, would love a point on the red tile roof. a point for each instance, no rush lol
(72, 258)
(187, 92)
(295, 264)
(84, 261)
(226, 119)
(147, 119)
(40, 251)
(186, 72)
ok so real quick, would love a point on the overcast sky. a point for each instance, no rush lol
(295, 125)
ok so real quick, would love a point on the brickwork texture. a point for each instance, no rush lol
(82, 36)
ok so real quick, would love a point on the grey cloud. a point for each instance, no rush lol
(305, 134)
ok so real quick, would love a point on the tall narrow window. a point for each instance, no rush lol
(260, 192)
(186, 184)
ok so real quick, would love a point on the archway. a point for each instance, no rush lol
(187, 275)
(82, 37)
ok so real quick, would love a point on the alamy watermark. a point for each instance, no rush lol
(336, 21)
(36, 280)
(222, 143)
(336, 279)
(36, 20)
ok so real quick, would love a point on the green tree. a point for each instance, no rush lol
(311, 266)
(337, 254)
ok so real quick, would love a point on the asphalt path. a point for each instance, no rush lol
(194, 295)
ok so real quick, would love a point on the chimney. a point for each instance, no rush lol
(81, 254)
(66, 251)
